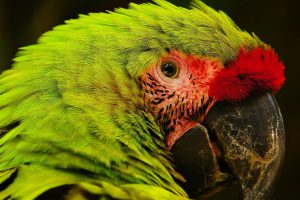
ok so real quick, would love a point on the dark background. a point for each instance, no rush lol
(275, 21)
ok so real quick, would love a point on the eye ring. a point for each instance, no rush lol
(169, 69)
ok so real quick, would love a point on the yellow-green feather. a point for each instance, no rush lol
(71, 111)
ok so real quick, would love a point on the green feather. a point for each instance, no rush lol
(72, 112)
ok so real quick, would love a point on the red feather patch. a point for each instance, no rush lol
(257, 70)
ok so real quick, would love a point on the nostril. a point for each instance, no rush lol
(241, 76)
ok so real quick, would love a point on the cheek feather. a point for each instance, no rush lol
(178, 103)
(155, 92)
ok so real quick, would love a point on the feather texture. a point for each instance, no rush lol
(72, 113)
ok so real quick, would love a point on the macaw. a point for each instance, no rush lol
(151, 102)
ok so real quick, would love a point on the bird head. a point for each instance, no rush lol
(133, 96)
(214, 102)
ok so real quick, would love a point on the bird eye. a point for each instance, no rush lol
(169, 69)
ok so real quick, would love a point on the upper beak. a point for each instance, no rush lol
(239, 142)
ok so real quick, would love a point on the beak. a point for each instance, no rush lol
(239, 143)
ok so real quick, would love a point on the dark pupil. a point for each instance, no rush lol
(169, 69)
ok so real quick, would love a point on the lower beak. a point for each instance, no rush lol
(239, 142)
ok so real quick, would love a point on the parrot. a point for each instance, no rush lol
(150, 102)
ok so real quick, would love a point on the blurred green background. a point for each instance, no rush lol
(276, 22)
